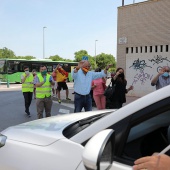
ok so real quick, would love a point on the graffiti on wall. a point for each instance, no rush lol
(139, 64)
(158, 59)
(142, 77)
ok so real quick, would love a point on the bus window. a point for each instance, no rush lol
(12, 67)
(49, 68)
(36, 66)
(2, 66)
(21, 66)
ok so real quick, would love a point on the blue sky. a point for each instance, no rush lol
(72, 25)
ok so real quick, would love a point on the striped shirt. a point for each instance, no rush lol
(82, 82)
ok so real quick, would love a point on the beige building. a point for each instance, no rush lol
(143, 42)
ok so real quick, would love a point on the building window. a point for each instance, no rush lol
(167, 48)
(161, 48)
(140, 49)
(145, 49)
(156, 48)
(127, 50)
(136, 49)
(150, 49)
(131, 49)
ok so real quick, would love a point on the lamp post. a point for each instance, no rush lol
(95, 53)
(43, 43)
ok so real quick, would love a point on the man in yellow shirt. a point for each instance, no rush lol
(62, 76)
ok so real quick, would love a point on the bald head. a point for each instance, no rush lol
(86, 64)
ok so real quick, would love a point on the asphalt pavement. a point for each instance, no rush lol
(12, 105)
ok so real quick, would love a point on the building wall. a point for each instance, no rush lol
(143, 26)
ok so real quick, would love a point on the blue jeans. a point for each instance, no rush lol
(81, 101)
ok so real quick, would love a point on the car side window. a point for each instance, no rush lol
(147, 137)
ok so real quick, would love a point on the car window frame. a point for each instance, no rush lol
(121, 135)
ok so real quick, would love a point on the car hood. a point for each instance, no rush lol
(45, 131)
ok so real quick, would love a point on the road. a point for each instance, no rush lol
(12, 111)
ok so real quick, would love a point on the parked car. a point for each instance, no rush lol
(104, 139)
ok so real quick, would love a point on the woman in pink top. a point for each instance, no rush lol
(98, 87)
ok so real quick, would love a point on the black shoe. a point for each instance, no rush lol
(28, 115)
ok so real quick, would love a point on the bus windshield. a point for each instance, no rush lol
(2, 66)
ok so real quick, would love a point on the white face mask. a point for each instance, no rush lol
(26, 72)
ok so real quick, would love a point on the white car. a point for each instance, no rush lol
(105, 139)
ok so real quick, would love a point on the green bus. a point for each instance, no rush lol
(11, 69)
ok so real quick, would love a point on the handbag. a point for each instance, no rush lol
(109, 90)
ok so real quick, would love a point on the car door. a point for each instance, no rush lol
(146, 132)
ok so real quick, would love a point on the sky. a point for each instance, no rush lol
(71, 26)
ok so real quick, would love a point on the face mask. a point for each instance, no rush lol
(26, 72)
(85, 69)
(121, 75)
(44, 72)
(166, 74)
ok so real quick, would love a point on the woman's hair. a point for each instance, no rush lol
(119, 68)
(98, 70)
(122, 78)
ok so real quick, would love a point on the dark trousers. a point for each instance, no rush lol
(82, 101)
(28, 99)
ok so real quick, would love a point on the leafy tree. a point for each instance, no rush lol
(56, 58)
(79, 54)
(25, 57)
(102, 60)
(6, 53)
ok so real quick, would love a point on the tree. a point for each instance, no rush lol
(25, 57)
(102, 60)
(79, 54)
(6, 53)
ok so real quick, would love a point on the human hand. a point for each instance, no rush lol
(80, 64)
(155, 162)
(131, 87)
(44, 79)
(161, 71)
(108, 66)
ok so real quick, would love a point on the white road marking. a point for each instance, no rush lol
(64, 111)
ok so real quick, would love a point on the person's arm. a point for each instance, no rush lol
(130, 88)
(155, 162)
(51, 80)
(155, 79)
(93, 85)
(38, 83)
(103, 73)
(23, 78)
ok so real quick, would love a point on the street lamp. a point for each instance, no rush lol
(43, 43)
(95, 53)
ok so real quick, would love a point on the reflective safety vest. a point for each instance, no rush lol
(45, 89)
(28, 85)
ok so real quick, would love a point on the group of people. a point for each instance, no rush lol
(84, 81)
(41, 85)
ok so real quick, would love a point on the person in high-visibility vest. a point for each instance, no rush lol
(27, 88)
(43, 82)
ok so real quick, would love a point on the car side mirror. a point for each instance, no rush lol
(98, 152)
